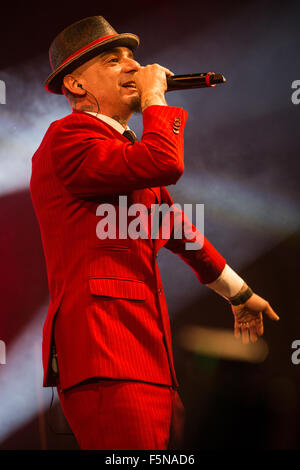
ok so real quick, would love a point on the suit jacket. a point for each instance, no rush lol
(107, 314)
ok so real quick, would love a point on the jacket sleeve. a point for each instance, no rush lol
(91, 163)
(206, 262)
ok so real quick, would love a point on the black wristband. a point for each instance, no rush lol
(241, 298)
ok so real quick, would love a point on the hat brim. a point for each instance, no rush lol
(54, 82)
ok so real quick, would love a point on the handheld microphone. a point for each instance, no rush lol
(194, 80)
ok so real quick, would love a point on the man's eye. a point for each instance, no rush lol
(113, 59)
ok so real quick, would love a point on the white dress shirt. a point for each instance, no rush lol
(112, 122)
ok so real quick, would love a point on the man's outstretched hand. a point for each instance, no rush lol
(248, 318)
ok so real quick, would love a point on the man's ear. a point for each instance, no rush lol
(71, 84)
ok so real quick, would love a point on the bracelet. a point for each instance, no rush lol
(241, 298)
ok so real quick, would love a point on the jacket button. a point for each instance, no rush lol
(176, 125)
(159, 291)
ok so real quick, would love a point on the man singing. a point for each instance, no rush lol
(106, 340)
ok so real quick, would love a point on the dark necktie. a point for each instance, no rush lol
(130, 135)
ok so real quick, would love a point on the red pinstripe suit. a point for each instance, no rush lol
(112, 316)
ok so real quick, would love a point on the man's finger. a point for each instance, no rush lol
(259, 325)
(253, 334)
(270, 312)
(237, 332)
(168, 72)
(245, 335)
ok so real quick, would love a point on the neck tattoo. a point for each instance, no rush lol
(86, 107)
(121, 121)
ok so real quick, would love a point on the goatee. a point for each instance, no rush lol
(135, 105)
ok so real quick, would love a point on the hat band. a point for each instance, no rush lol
(97, 41)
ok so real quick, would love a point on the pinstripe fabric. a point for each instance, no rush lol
(107, 301)
(149, 417)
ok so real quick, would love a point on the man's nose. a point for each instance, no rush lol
(131, 65)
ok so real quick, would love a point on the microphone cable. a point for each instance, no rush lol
(48, 420)
(89, 93)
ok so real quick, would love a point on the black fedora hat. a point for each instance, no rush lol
(79, 43)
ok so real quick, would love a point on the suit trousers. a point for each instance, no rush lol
(111, 414)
